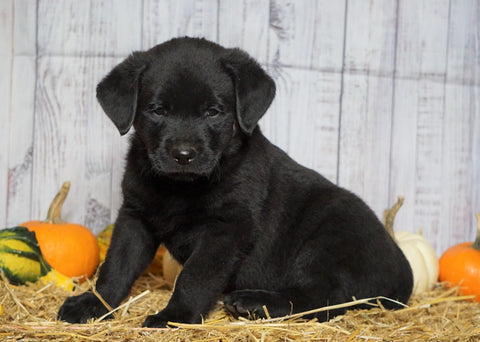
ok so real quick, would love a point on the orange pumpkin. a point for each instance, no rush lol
(460, 265)
(69, 248)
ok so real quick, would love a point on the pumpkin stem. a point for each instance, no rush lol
(476, 244)
(53, 215)
(389, 216)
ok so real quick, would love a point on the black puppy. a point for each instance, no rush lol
(243, 218)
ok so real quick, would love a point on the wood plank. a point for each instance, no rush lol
(443, 154)
(163, 20)
(369, 48)
(419, 114)
(6, 28)
(464, 43)
(461, 126)
(6, 59)
(73, 140)
(422, 39)
(476, 151)
(303, 119)
(21, 111)
(364, 154)
(24, 27)
(5, 93)
(20, 146)
(429, 158)
(365, 128)
(403, 153)
(244, 24)
(417, 170)
(307, 34)
(457, 219)
(89, 27)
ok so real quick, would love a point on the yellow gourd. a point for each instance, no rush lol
(21, 260)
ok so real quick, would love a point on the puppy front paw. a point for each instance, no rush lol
(80, 309)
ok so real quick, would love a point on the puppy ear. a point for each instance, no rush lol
(254, 89)
(117, 93)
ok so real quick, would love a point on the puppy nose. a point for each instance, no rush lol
(184, 155)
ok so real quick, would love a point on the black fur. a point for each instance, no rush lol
(243, 218)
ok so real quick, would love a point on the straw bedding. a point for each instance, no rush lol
(29, 313)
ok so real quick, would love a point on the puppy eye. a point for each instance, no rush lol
(212, 112)
(158, 110)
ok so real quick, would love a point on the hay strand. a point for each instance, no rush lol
(125, 305)
(15, 299)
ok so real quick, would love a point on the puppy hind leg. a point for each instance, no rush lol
(257, 303)
(252, 303)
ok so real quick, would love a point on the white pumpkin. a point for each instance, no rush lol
(422, 258)
(418, 251)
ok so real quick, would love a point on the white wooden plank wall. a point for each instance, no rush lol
(382, 97)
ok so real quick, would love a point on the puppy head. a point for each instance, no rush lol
(190, 101)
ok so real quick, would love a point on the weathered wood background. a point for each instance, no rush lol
(381, 96)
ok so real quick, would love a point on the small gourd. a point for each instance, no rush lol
(69, 248)
(418, 251)
(21, 260)
(460, 265)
